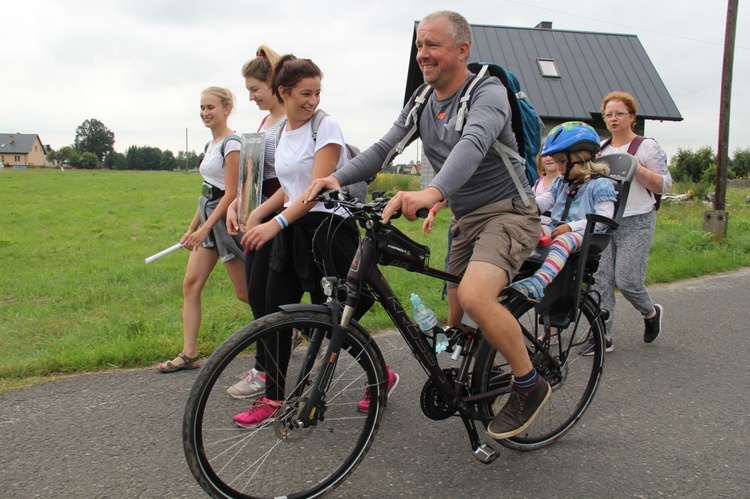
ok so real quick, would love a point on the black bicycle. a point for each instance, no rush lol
(317, 437)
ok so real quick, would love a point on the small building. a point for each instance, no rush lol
(22, 150)
(566, 74)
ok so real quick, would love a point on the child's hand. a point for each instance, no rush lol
(561, 229)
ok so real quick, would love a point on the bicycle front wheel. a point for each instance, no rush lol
(278, 458)
(577, 353)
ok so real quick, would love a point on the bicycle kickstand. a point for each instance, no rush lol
(482, 452)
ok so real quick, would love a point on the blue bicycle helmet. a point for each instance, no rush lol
(571, 136)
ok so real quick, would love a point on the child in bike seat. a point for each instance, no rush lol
(583, 188)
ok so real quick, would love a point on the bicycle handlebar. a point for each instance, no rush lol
(331, 198)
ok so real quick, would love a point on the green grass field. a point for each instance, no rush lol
(76, 295)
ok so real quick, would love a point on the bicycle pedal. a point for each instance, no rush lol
(485, 454)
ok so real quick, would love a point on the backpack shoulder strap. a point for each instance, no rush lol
(505, 153)
(263, 122)
(223, 142)
(632, 148)
(227, 139)
(423, 93)
(466, 97)
(316, 119)
(279, 131)
(635, 144)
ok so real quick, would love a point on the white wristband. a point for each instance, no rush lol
(282, 221)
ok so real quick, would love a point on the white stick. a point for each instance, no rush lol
(164, 252)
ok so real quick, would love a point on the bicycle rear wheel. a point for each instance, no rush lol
(573, 383)
(279, 458)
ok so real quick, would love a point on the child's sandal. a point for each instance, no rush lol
(529, 288)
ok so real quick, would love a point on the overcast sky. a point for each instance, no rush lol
(139, 66)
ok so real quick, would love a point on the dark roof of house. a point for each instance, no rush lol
(21, 142)
(590, 65)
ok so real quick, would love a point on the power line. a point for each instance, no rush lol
(620, 25)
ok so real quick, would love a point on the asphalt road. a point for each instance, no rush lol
(670, 419)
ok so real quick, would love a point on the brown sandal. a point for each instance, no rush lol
(187, 363)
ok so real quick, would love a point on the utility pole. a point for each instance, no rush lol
(187, 166)
(716, 220)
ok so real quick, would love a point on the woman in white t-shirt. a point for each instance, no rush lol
(298, 247)
(207, 237)
(624, 261)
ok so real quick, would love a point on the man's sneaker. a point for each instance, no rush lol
(252, 383)
(364, 404)
(653, 325)
(588, 348)
(260, 412)
(520, 410)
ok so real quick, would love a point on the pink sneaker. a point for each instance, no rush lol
(364, 404)
(260, 412)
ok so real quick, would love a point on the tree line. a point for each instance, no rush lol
(94, 148)
(700, 166)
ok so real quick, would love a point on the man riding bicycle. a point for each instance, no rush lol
(493, 230)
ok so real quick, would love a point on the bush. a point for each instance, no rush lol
(392, 183)
(740, 165)
(689, 165)
(701, 189)
(89, 161)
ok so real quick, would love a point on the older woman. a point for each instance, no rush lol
(624, 261)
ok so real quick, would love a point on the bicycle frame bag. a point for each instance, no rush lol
(397, 250)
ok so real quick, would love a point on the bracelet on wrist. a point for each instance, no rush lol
(281, 219)
(433, 211)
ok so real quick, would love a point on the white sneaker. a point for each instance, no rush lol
(252, 383)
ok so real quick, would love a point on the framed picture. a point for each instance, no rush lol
(250, 185)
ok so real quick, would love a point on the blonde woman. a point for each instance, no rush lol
(207, 238)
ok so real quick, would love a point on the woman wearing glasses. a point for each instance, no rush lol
(624, 260)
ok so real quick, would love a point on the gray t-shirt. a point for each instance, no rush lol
(466, 173)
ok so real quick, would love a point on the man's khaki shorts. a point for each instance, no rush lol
(502, 234)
